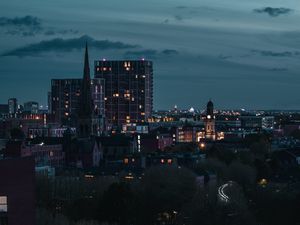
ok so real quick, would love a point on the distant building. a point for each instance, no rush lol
(153, 142)
(209, 120)
(117, 146)
(83, 153)
(49, 100)
(3, 109)
(45, 154)
(17, 191)
(88, 120)
(251, 122)
(65, 99)
(133, 128)
(188, 133)
(268, 122)
(31, 107)
(79, 102)
(128, 90)
(12, 106)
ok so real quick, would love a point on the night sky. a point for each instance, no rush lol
(239, 53)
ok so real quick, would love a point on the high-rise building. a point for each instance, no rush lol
(31, 107)
(49, 107)
(3, 109)
(128, 90)
(12, 106)
(66, 99)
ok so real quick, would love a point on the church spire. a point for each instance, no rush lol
(86, 69)
(85, 109)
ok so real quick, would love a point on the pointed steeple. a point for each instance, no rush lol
(85, 109)
(210, 107)
(86, 69)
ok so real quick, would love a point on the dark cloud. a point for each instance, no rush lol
(276, 54)
(147, 53)
(150, 53)
(56, 32)
(24, 26)
(178, 17)
(29, 26)
(166, 21)
(170, 52)
(279, 69)
(29, 21)
(64, 45)
(224, 57)
(273, 11)
(181, 7)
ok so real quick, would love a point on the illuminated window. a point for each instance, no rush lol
(126, 161)
(3, 204)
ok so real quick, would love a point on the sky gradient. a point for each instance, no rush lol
(241, 54)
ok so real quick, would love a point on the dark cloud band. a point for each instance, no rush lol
(64, 45)
(274, 12)
(29, 21)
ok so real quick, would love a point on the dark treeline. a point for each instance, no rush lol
(174, 195)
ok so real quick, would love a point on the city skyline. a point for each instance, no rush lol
(239, 55)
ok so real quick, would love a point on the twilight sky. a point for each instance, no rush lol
(240, 53)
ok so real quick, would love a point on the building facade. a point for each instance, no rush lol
(31, 107)
(17, 191)
(65, 99)
(209, 121)
(12, 106)
(128, 90)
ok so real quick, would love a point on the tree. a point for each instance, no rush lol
(118, 204)
(17, 133)
(244, 175)
(163, 190)
(206, 209)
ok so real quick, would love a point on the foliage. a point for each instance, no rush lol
(17, 133)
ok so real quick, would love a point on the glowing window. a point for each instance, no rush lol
(3, 203)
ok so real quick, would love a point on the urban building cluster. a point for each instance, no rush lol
(107, 122)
